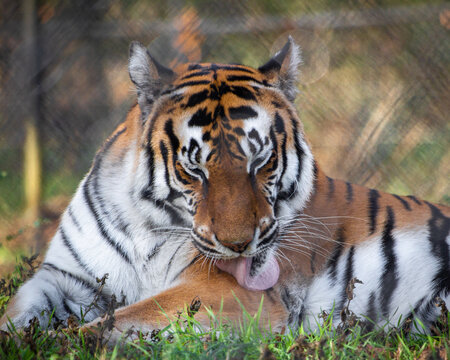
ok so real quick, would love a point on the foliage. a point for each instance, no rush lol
(185, 338)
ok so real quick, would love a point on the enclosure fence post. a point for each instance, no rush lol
(32, 145)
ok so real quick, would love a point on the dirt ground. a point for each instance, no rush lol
(19, 237)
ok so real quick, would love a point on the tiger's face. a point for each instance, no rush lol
(226, 152)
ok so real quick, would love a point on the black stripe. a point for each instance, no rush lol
(426, 310)
(235, 68)
(52, 307)
(115, 220)
(277, 104)
(279, 124)
(415, 310)
(217, 91)
(239, 131)
(74, 219)
(253, 149)
(257, 262)
(196, 257)
(67, 243)
(269, 293)
(203, 248)
(225, 123)
(99, 156)
(267, 229)
(197, 98)
(287, 194)
(242, 112)
(155, 251)
(418, 305)
(349, 196)
(337, 252)
(312, 261)
(373, 209)
(173, 193)
(413, 198)
(231, 139)
(174, 141)
(93, 176)
(201, 118)
(147, 193)
(298, 148)
(119, 222)
(289, 303)
(73, 277)
(403, 201)
(330, 186)
(169, 264)
(170, 209)
(206, 136)
(50, 304)
(316, 175)
(67, 309)
(348, 275)
(439, 228)
(101, 227)
(371, 311)
(389, 279)
(196, 67)
(177, 98)
(253, 166)
(242, 78)
(253, 134)
(274, 159)
(200, 237)
(239, 147)
(185, 84)
(197, 73)
(243, 93)
(267, 241)
(190, 83)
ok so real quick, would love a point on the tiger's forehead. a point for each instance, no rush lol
(221, 72)
(214, 97)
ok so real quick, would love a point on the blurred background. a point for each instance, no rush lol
(374, 91)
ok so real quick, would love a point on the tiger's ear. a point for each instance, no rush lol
(147, 75)
(282, 69)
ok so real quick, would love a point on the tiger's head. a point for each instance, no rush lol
(224, 155)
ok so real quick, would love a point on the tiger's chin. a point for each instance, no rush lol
(257, 273)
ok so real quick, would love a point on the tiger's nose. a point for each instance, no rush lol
(238, 247)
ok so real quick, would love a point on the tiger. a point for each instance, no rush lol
(209, 189)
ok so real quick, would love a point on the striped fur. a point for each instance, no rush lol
(212, 164)
(397, 246)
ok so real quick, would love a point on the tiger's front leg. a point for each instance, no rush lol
(216, 291)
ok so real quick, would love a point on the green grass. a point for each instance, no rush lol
(186, 339)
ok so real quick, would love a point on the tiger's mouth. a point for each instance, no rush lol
(257, 273)
(252, 264)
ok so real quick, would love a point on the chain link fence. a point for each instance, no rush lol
(374, 91)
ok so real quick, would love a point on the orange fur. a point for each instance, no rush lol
(213, 286)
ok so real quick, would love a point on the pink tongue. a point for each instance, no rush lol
(240, 269)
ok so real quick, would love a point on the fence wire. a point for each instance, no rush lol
(374, 88)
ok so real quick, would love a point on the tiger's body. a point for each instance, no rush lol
(209, 189)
